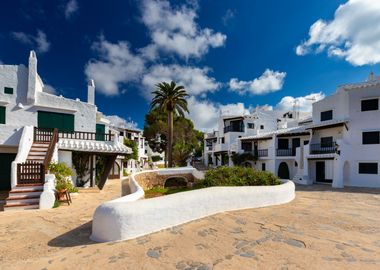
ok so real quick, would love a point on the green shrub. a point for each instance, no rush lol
(239, 176)
(62, 172)
(156, 158)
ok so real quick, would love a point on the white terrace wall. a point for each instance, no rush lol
(128, 217)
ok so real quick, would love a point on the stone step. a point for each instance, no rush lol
(27, 188)
(21, 206)
(24, 195)
(23, 201)
(37, 153)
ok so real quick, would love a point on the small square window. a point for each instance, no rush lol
(8, 90)
(251, 125)
(368, 168)
(370, 104)
(262, 127)
(327, 115)
(372, 137)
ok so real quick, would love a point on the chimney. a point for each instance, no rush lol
(91, 92)
(32, 78)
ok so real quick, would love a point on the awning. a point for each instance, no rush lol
(93, 146)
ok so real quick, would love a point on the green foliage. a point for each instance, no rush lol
(81, 164)
(186, 139)
(239, 176)
(125, 173)
(239, 159)
(135, 150)
(62, 173)
(156, 158)
(100, 167)
(56, 204)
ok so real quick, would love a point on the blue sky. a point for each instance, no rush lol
(230, 55)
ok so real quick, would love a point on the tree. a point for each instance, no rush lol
(186, 139)
(170, 98)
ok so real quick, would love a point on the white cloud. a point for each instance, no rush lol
(229, 15)
(353, 34)
(39, 41)
(120, 122)
(195, 80)
(50, 89)
(303, 103)
(71, 8)
(205, 114)
(117, 66)
(174, 30)
(269, 81)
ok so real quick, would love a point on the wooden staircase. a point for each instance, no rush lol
(31, 174)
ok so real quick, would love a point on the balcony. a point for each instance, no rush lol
(323, 148)
(291, 152)
(258, 153)
(221, 147)
(233, 129)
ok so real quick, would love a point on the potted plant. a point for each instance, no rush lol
(62, 173)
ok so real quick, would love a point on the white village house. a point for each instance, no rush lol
(339, 145)
(37, 127)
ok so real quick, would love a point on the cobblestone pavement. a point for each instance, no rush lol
(321, 229)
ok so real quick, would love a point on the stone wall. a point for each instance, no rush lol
(149, 180)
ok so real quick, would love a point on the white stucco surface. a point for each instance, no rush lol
(128, 217)
(47, 197)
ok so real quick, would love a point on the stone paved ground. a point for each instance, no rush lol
(321, 229)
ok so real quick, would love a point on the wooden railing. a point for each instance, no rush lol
(286, 152)
(42, 134)
(323, 148)
(50, 150)
(81, 135)
(30, 173)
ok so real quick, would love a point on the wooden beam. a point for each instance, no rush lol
(108, 166)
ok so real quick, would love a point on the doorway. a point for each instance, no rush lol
(5, 170)
(283, 171)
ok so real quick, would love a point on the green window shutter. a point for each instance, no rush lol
(61, 121)
(100, 130)
(2, 115)
(8, 90)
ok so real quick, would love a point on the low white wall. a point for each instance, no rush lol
(47, 197)
(128, 217)
(25, 144)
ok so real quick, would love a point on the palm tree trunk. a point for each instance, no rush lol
(170, 139)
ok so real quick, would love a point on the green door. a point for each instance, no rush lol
(5, 170)
(61, 121)
(2, 115)
(100, 132)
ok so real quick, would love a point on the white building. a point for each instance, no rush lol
(38, 127)
(340, 146)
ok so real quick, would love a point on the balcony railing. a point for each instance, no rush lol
(323, 148)
(233, 129)
(46, 135)
(286, 152)
(258, 153)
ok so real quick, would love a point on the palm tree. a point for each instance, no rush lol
(170, 98)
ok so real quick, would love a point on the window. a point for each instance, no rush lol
(370, 104)
(262, 127)
(246, 146)
(8, 90)
(263, 167)
(251, 125)
(305, 142)
(61, 121)
(283, 144)
(372, 137)
(222, 140)
(368, 168)
(2, 115)
(121, 133)
(326, 115)
(326, 141)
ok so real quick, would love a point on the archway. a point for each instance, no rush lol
(175, 182)
(283, 171)
(346, 173)
(115, 171)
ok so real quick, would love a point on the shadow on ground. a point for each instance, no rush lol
(77, 237)
(316, 187)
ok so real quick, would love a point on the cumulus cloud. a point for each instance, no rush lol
(269, 81)
(71, 8)
(353, 34)
(39, 41)
(117, 65)
(174, 30)
(205, 114)
(117, 121)
(229, 15)
(50, 89)
(303, 103)
(195, 80)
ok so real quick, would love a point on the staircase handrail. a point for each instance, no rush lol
(50, 150)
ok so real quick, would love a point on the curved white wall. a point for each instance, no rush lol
(125, 218)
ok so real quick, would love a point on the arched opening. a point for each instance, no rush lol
(248, 164)
(283, 171)
(346, 173)
(175, 182)
(115, 171)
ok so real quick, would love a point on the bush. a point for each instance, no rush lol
(62, 172)
(156, 158)
(239, 176)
